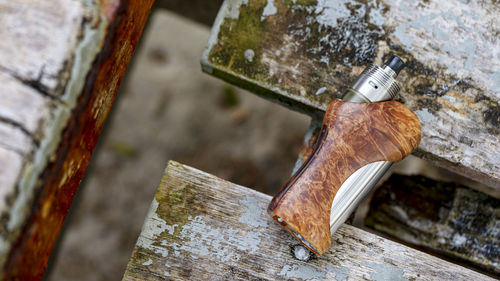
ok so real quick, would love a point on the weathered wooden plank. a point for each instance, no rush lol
(61, 63)
(203, 228)
(16, 140)
(39, 38)
(304, 53)
(445, 218)
(22, 105)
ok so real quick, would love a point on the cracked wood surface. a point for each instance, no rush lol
(200, 227)
(61, 63)
(304, 53)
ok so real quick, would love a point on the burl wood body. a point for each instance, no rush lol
(353, 135)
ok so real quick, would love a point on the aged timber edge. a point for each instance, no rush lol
(447, 219)
(61, 177)
(304, 106)
(275, 95)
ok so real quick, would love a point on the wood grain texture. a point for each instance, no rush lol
(353, 135)
(443, 217)
(203, 228)
(304, 53)
(61, 63)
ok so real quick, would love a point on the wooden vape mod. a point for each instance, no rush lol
(361, 136)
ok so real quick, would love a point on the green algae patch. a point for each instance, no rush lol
(241, 51)
(175, 204)
(139, 256)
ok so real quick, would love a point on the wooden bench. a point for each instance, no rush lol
(301, 54)
(304, 53)
(201, 227)
(61, 63)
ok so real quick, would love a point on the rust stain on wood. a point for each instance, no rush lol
(61, 178)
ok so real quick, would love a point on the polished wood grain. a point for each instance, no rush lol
(353, 135)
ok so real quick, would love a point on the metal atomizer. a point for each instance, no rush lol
(374, 84)
(362, 135)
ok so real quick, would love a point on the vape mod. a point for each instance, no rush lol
(361, 136)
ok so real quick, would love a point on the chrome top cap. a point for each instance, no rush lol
(379, 83)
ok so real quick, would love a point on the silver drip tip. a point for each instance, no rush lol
(374, 84)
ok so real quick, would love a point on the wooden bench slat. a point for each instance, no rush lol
(45, 35)
(22, 105)
(16, 140)
(203, 228)
(304, 53)
(443, 217)
(61, 63)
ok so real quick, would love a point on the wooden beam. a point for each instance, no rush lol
(442, 217)
(304, 53)
(200, 227)
(61, 64)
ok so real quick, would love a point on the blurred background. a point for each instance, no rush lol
(167, 109)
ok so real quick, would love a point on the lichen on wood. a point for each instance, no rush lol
(444, 217)
(308, 52)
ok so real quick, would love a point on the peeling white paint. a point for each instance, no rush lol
(303, 272)
(376, 16)
(450, 37)
(148, 262)
(320, 91)
(456, 28)
(330, 10)
(449, 98)
(249, 54)
(384, 272)
(152, 229)
(233, 8)
(458, 240)
(202, 240)
(269, 9)
(325, 60)
(425, 116)
(341, 272)
(253, 213)
(495, 78)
